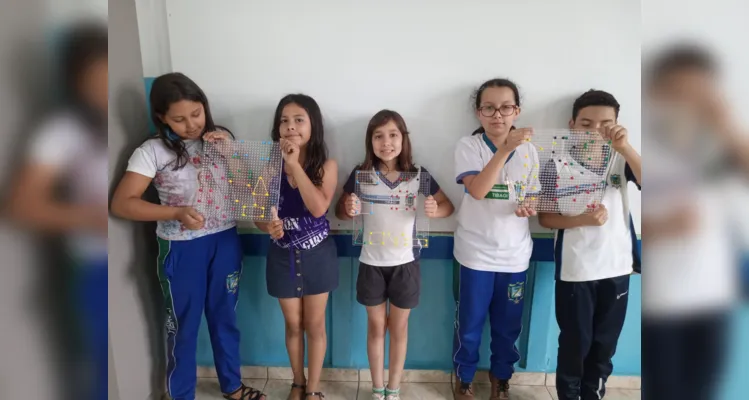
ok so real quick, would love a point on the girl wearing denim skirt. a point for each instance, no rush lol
(302, 264)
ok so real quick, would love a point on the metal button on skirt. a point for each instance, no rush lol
(296, 273)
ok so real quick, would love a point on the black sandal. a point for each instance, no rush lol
(246, 393)
(298, 386)
(318, 394)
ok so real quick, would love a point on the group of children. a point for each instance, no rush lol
(492, 244)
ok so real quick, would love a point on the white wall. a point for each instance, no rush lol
(419, 58)
(154, 37)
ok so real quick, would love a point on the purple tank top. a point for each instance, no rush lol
(301, 229)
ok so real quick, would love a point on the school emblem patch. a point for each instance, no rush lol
(616, 180)
(232, 282)
(515, 292)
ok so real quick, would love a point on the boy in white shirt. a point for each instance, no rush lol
(595, 254)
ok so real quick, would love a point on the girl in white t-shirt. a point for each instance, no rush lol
(200, 258)
(69, 150)
(388, 267)
(493, 242)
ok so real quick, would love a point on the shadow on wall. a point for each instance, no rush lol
(133, 117)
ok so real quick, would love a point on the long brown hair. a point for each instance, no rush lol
(405, 160)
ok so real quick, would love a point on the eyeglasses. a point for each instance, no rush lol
(505, 110)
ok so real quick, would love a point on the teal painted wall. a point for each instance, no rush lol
(431, 323)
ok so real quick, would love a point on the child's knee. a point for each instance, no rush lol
(315, 329)
(398, 327)
(294, 327)
(376, 327)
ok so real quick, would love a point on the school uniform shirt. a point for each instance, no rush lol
(67, 143)
(389, 214)
(692, 272)
(489, 236)
(176, 188)
(590, 253)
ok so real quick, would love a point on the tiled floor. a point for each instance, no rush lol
(208, 389)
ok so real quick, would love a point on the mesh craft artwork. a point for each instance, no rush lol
(383, 205)
(239, 180)
(571, 168)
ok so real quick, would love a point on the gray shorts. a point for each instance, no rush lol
(400, 284)
(315, 271)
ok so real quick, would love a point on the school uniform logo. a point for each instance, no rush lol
(498, 192)
(232, 282)
(171, 327)
(515, 292)
(616, 180)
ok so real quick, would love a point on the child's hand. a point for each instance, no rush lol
(430, 207)
(618, 136)
(597, 217)
(290, 152)
(353, 206)
(525, 210)
(516, 137)
(190, 218)
(217, 136)
(275, 227)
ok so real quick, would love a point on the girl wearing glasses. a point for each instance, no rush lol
(492, 242)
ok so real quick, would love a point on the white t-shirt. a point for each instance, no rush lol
(695, 272)
(489, 236)
(591, 253)
(64, 142)
(691, 272)
(389, 212)
(176, 188)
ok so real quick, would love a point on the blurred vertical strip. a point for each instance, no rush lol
(53, 91)
(695, 196)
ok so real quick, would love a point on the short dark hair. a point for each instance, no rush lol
(595, 98)
(84, 44)
(679, 58)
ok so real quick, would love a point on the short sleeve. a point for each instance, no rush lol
(56, 143)
(630, 176)
(350, 185)
(467, 159)
(143, 162)
(433, 188)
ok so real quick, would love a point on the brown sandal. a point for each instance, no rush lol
(318, 394)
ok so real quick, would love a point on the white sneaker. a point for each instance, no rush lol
(378, 394)
(392, 394)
